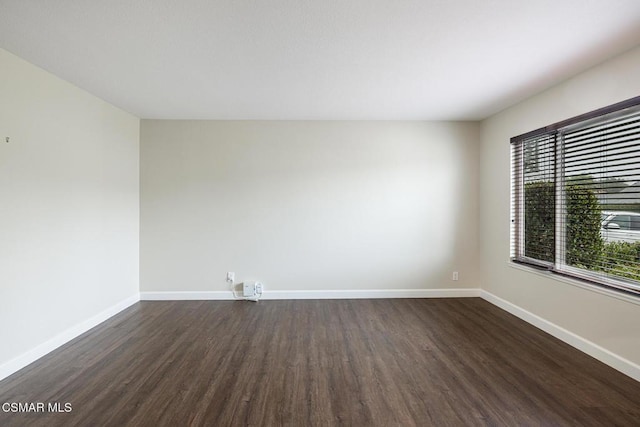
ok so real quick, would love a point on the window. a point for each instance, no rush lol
(575, 198)
(623, 221)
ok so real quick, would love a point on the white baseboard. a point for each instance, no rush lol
(186, 296)
(621, 364)
(328, 294)
(373, 293)
(37, 352)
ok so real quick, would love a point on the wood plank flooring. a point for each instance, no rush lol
(399, 362)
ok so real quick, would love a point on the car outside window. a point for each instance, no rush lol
(622, 220)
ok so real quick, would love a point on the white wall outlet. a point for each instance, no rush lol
(231, 276)
(455, 276)
(259, 288)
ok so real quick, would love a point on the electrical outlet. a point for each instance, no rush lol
(231, 276)
(455, 276)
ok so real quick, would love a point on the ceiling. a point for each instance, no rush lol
(317, 59)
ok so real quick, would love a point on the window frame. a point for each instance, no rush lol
(517, 238)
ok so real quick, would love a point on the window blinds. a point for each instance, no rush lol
(576, 197)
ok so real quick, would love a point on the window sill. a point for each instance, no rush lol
(578, 283)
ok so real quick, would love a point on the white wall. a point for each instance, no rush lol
(609, 322)
(69, 216)
(308, 205)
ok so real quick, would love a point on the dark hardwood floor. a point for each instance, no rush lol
(331, 362)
